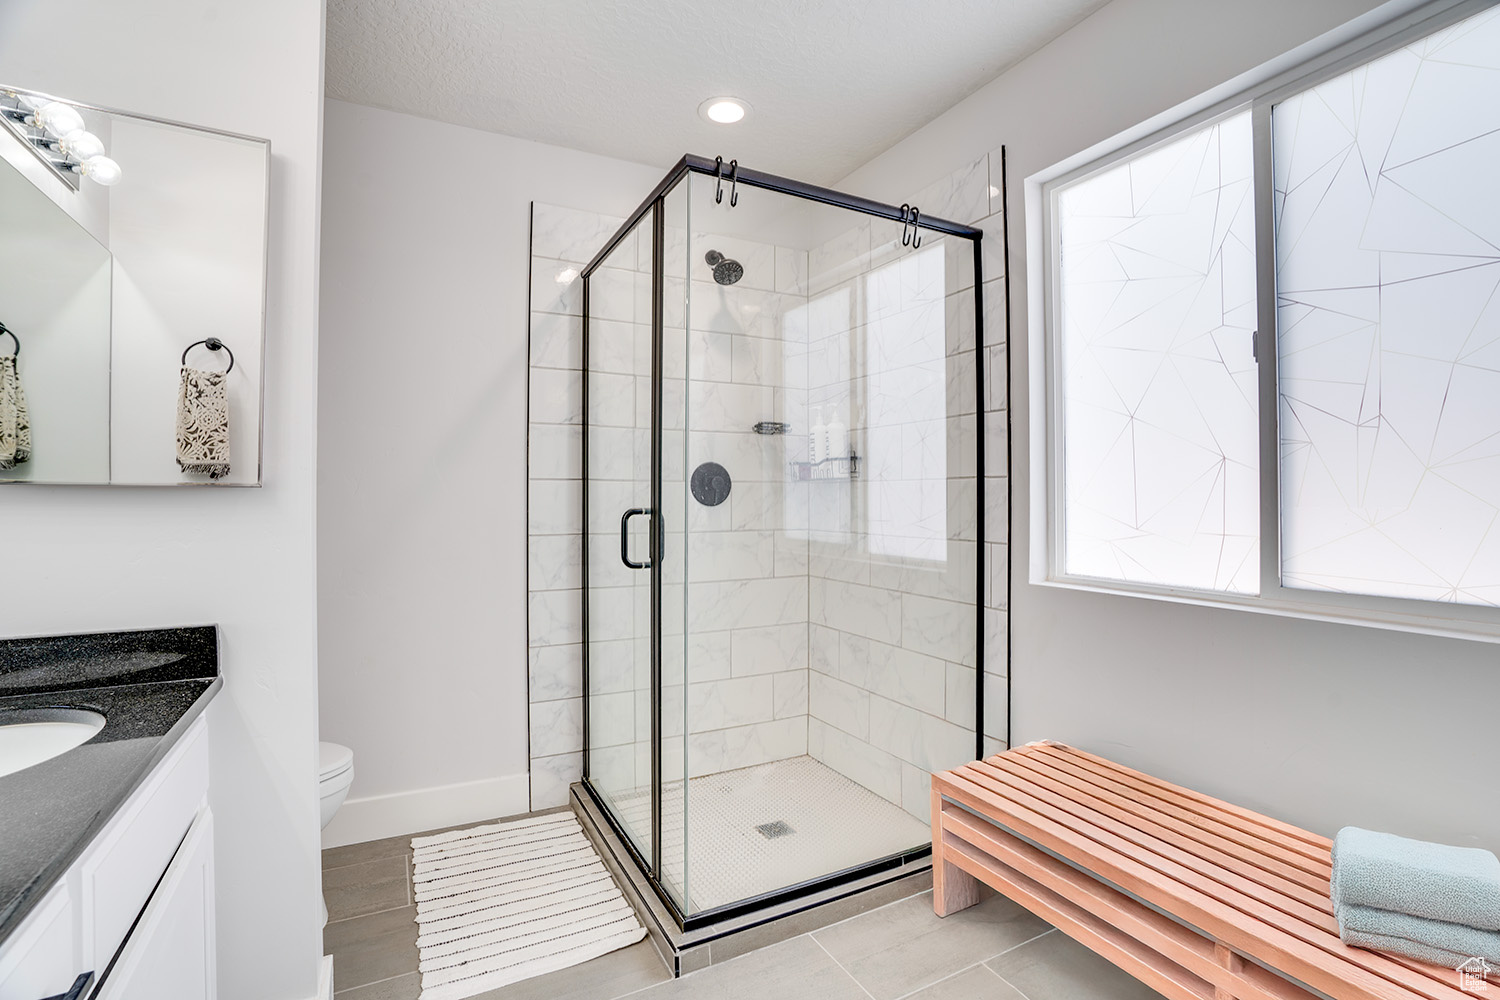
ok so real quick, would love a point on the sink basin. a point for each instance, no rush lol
(31, 735)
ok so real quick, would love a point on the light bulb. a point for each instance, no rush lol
(33, 103)
(101, 170)
(59, 119)
(723, 110)
(82, 146)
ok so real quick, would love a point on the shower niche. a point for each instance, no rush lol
(778, 650)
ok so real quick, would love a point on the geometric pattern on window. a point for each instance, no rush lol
(1387, 203)
(1156, 312)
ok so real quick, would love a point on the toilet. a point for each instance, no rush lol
(335, 774)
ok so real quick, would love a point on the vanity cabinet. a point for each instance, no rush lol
(137, 907)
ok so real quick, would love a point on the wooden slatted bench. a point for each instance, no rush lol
(1174, 887)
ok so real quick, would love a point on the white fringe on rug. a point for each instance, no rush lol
(507, 901)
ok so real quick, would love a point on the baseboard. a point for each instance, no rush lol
(325, 978)
(375, 817)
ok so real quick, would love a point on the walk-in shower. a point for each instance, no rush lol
(783, 461)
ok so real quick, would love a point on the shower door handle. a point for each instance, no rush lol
(625, 537)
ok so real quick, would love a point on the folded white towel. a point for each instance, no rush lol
(203, 423)
(15, 422)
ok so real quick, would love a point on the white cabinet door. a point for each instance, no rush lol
(39, 959)
(170, 954)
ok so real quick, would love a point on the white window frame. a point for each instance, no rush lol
(1258, 91)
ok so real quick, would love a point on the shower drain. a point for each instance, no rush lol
(773, 830)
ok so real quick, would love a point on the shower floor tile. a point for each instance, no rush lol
(762, 828)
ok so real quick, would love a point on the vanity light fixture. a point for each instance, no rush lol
(54, 131)
(723, 110)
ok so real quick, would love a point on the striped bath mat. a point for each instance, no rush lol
(507, 901)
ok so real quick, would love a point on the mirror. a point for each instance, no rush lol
(132, 267)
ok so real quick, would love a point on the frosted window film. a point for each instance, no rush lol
(1388, 291)
(1156, 311)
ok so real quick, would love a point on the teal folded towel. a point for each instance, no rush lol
(1436, 941)
(1459, 885)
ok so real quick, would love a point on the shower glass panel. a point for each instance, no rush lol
(617, 499)
(814, 598)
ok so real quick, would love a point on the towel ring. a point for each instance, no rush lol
(4, 330)
(213, 344)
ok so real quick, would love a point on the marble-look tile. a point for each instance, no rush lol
(939, 628)
(614, 613)
(993, 745)
(791, 547)
(614, 399)
(556, 727)
(1056, 967)
(997, 389)
(963, 196)
(789, 694)
(757, 361)
(930, 743)
(905, 946)
(916, 792)
(745, 746)
(823, 648)
(998, 595)
(571, 234)
(791, 271)
(769, 649)
(554, 562)
(612, 719)
(865, 611)
(901, 675)
(962, 384)
(747, 604)
(556, 287)
(958, 321)
(992, 247)
(857, 760)
(554, 507)
(556, 341)
(996, 705)
(730, 407)
(555, 451)
(996, 444)
(708, 656)
(737, 701)
(550, 778)
(838, 258)
(554, 617)
(617, 346)
(840, 705)
(556, 396)
(555, 672)
(614, 294)
(758, 259)
(962, 689)
(730, 555)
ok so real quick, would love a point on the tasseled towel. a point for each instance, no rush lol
(15, 425)
(203, 423)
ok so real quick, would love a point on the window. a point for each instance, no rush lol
(1384, 362)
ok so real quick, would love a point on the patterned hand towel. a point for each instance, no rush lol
(1436, 941)
(15, 424)
(203, 423)
(1460, 885)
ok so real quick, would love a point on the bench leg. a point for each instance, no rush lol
(953, 889)
(1226, 958)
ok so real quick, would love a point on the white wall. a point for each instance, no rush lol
(112, 558)
(423, 456)
(1320, 723)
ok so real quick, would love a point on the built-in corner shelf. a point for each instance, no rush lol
(829, 468)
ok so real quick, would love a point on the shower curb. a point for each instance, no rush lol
(688, 951)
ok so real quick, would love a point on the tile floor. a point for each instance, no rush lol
(993, 951)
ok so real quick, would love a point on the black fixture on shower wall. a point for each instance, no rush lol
(647, 855)
(4, 331)
(726, 271)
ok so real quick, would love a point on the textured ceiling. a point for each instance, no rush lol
(832, 83)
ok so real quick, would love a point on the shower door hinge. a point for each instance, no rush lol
(1255, 346)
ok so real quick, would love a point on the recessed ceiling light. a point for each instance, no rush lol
(723, 110)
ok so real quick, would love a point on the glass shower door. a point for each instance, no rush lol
(618, 442)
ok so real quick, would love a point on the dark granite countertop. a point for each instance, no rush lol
(148, 685)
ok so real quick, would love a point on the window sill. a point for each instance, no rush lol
(1424, 622)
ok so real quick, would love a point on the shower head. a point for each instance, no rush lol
(726, 271)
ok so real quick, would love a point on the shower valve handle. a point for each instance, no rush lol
(625, 538)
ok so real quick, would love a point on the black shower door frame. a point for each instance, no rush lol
(654, 206)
